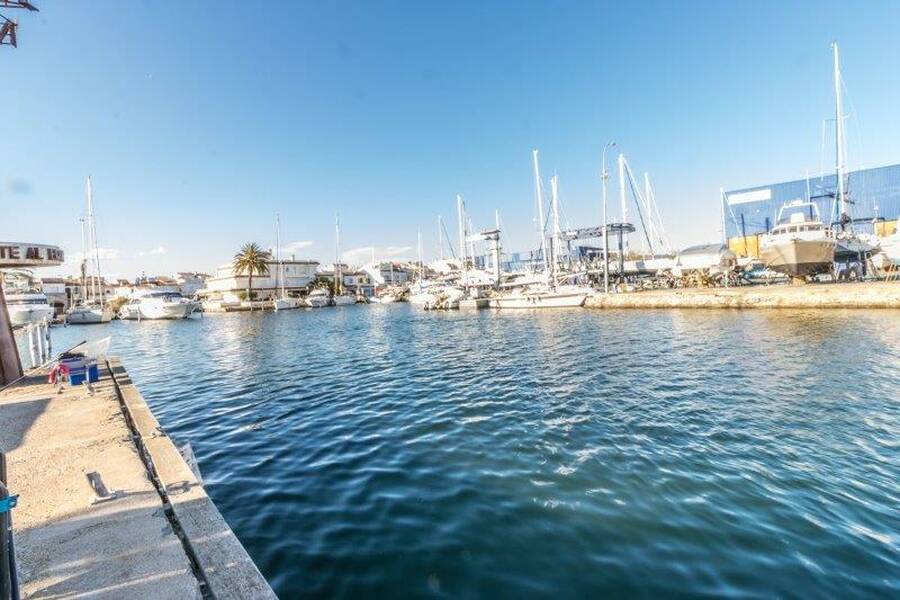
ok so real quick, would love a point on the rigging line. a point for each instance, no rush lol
(634, 195)
(449, 240)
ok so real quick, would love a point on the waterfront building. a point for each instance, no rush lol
(389, 273)
(226, 286)
(55, 290)
(749, 213)
(190, 283)
(352, 280)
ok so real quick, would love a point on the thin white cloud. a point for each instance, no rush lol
(158, 251)
(103, 253)
(364, 254)
(294, 247)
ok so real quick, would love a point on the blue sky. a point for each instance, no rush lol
(199, 120)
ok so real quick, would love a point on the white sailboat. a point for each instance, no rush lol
(283, 301)
(552, 293)
(341, 297)
(92, 308)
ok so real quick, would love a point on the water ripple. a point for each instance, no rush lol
(381, 451)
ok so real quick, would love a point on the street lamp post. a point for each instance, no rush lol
(605, 177)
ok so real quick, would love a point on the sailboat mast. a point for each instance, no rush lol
(623, 204)
(839, 135)
(460, 210)
(441, 237)
(419, 253)
(338, 278)
(96, 285)
(554, 242)
(84, 259)
(540, 205)
(278, 253)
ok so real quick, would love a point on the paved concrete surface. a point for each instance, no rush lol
(70, 547)
(878, 294)
(227, 568)
(67, 546)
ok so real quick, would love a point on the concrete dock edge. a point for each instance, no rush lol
(869, 295)
(221, 559)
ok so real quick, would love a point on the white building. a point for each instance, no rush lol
(351, 280)
(190, 283)
(228, 287)
(388, 273)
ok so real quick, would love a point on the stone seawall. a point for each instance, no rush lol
(878, 294)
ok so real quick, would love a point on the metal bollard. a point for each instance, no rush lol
(39, 341)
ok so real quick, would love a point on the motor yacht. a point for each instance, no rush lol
(343, 299)
(799, 245)
(27, 306)
(159, 305)
(318, 298)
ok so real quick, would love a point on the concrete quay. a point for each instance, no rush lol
(875, 294)
(158, 536)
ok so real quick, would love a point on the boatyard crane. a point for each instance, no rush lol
(492, 236)
(8, 27)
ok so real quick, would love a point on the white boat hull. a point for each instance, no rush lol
(317, 301)
(286, 303)
(343, 299)
(89, 315)
(170, 311)
(386, 299)
(422, 299)
(19, 316)
(799, 257)
(540, 300)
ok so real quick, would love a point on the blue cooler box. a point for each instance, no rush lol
(81, 371)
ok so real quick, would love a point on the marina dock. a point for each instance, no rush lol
(143, 528)
(875, 294)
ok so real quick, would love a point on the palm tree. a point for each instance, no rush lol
(251, 259)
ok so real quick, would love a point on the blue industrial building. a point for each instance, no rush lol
(875, 194)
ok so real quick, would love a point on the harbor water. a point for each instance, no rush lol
(383, 451)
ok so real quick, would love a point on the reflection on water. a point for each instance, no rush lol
(380, 450)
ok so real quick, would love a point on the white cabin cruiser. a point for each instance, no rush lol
(27, 306)
(318, 298)
(159, 305)
(800, 245)
(343, 299)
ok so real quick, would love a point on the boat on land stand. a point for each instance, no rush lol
(800, 245)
